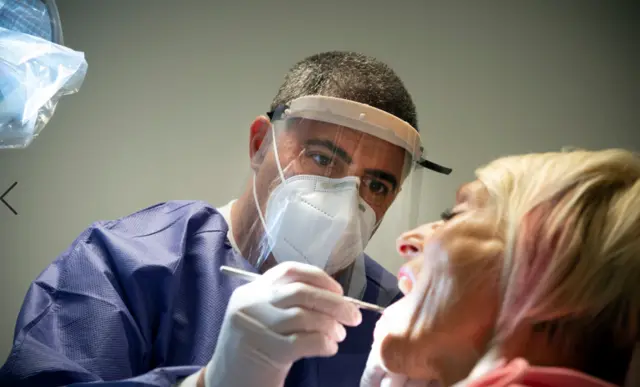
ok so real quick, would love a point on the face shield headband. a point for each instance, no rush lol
(375, 122)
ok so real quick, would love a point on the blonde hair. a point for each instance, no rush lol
(572, 232)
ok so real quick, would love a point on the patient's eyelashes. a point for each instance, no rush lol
(447, 214)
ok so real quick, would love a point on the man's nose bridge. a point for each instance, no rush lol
(355, 169)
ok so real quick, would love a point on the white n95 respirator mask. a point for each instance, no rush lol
(318, 220)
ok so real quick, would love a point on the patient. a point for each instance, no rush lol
(532, 278)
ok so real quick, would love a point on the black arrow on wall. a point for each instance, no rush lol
(5, 202)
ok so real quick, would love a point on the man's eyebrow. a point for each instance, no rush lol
(332, 147)
(383, 175)
(341, 153)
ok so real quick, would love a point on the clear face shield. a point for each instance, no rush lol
(325, 174)
(36, 70)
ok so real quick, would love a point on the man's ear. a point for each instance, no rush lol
(258, 132)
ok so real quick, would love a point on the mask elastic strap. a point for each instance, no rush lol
(280, 172)
(275, 152)
(263, 256)
(255, 199)
(255, 192)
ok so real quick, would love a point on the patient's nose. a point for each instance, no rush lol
(411, 243)
(410, 246)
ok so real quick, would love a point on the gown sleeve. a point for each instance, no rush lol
(91, 318)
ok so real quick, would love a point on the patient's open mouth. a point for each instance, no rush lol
(405, 279)
(408, 249)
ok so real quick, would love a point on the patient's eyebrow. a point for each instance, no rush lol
(462, 193)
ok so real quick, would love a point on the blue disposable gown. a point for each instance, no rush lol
(139, 301)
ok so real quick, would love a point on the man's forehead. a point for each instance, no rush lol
(343, 135)
(315, 127)
(354, 146)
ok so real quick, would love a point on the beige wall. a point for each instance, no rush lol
(172, 87)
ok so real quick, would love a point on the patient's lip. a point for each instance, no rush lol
(405, 272)
(405, 279)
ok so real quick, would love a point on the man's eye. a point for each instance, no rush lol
(322, 160)
(447, 214)
(377, 187)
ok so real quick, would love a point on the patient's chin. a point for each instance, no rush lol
(432, 356)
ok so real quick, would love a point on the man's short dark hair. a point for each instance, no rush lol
(352, 76)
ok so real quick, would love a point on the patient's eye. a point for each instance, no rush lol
(447, 214)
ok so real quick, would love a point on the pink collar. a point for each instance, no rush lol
(518, 373)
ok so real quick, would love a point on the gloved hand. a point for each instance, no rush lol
(293, 311)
